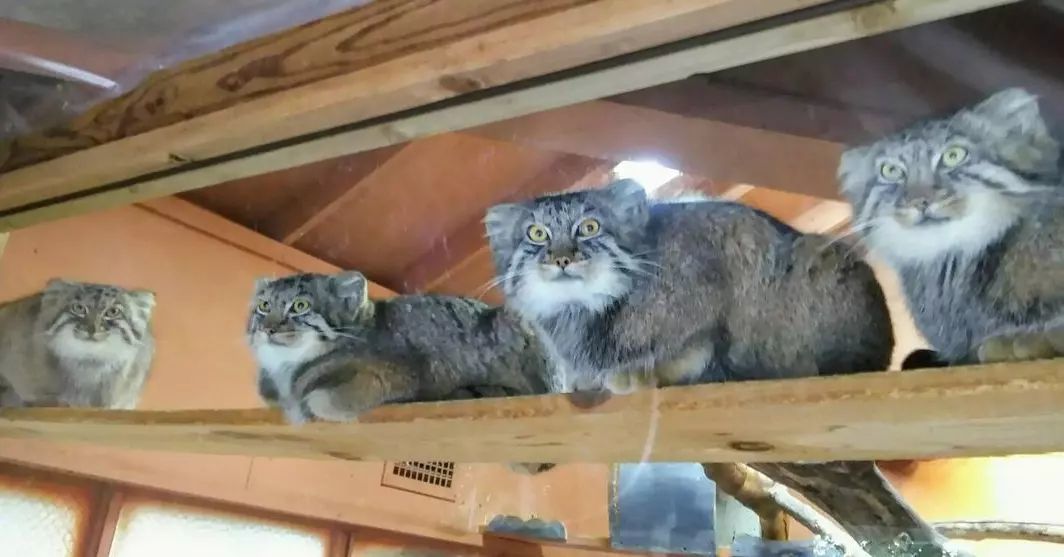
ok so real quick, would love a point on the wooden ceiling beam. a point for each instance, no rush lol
(715, 150)
(340, 85)
(990, 410)
(29, 48)
(453, 254)
(309, 208)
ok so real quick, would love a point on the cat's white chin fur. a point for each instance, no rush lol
(65, 344)
(987, 218)
(539, 296)
(280, 361)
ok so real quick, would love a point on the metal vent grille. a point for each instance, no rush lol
(434, 479)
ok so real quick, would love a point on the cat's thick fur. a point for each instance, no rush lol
(328, 352)
(970, 212)
(673, 293)
(76, 344)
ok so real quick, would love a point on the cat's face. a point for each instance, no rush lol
(951, 185)
(578, 248)
(304, 308)
(96, 315)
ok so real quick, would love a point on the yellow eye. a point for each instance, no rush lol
(588, 228)
(263, 306)
(892, 172)
(300, 306)
(537, 234)
(954, 156)
(79, 309)
(113, 312)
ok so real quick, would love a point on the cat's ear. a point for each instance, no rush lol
(501, 220)
(57, 285)
(143, 298)
(629, 200)
(1011, 122)
(500, 225)
(855, 164)
(351, 285)
(262, 282)
(1011, 108)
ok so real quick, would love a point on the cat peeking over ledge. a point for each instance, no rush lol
(969, 210)
(76, 344)
(627, 292)
(326, 351)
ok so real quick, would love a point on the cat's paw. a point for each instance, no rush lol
(586, 400)
(322, 404)
(629, 382)
(1021, 347)
(531, 468)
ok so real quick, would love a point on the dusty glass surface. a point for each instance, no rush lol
(60, 57)
(35, 525)
(165, 530)
(411, 219)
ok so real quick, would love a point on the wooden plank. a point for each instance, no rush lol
(295, 221)
(226, 231)
(458, 250)
(383, 57)
(715, 150)
(961, 412)
(120, 171)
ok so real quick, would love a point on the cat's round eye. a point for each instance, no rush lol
(263, 307)
(588, 228)
(891, 172)
(300, 306)
(537, 234)
(113, 312)
(79, 309)
(954, 156)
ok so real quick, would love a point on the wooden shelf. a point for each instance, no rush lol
(976, 411)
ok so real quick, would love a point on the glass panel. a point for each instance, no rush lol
(41, 516)
(33, 524)
(180, 531)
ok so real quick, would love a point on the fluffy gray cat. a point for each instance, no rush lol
(970, 211)
(702, 291)
(76, 344)
(327, 351)
(670, 293)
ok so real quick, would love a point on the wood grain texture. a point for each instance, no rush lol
(69, 185)
(978, 411)
(378, 59)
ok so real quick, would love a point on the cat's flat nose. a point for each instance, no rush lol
(562, 261)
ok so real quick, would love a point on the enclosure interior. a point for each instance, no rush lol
(410, 217)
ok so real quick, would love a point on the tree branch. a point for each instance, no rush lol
(995, 530)
(737, 481)
(809, 517)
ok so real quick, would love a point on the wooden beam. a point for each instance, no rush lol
(960, 412)
(455, 252)
(827, 217)
(228, 232)
(38, 50)
(714, 150)
(366, 62)
(407, 61)
(293, 222)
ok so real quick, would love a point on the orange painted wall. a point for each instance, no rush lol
(203, 278)
(203, 285)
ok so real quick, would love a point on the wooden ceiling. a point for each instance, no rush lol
(769, 134)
